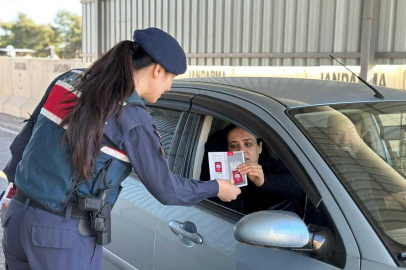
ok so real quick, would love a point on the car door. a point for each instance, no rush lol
(213, 224)
(134, 214)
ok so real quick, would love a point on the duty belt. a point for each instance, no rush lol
(76, 212)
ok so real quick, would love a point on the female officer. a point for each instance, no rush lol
(83, 139)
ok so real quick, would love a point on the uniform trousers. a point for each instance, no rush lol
(37, 239)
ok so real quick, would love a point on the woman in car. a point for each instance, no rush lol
(270, 186)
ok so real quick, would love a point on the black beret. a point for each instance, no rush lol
(162, 48)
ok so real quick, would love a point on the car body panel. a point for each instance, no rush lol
(376, 266)
(300, 92)
(112, 261)
(219, 249)
(151, 244)
(166, 238)
(370, 245)
(133, 226)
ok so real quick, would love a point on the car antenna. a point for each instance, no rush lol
(377, 94)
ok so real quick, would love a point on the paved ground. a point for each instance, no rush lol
(9, 128)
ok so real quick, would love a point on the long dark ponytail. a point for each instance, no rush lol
(103, 89)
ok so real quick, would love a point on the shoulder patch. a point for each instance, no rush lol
(160, 141)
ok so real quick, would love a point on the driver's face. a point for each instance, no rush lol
(241, 140)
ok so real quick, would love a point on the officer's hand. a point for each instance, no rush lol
(227, 190)
(4, 205)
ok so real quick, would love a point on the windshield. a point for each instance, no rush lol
(365, 146)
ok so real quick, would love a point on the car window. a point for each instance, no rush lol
(365, 146)
(167, 121)
(279, 189)
(389, 124)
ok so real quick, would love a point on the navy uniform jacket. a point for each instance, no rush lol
(136, 134)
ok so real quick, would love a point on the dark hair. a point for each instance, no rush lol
(103, 89)
(230, 127)
(263, 157)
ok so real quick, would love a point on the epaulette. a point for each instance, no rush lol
(73, 76)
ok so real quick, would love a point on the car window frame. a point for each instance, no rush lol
(224, 110)
(277, 110)
(204, 105)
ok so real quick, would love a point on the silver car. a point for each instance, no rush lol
(353, 212)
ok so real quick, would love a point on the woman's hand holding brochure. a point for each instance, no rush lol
(254, 172)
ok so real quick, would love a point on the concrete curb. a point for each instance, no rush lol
(11, 124)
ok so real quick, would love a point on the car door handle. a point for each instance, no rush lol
(186, 231)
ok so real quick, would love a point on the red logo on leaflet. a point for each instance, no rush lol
(11, 193)
(237, 177)
(230, 153)
(218, 167)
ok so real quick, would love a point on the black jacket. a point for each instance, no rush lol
(280, 191)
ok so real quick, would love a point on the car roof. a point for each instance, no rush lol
(292, 92)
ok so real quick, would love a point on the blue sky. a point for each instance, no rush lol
(40, 11)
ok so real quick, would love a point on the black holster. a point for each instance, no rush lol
(100, 218)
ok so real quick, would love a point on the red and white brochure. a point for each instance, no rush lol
(223, 165)
(218, 167)
(10, 191)
(237, 177)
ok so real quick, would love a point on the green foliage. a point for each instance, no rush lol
(24, 33)
(65, 34)
(69, 27)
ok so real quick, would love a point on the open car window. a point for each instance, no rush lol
(279, 191)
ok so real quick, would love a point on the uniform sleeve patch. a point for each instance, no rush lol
(163, 152)
(159, 135)
(160, 141)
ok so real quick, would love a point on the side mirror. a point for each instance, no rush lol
(282, 229)
(273, 229)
